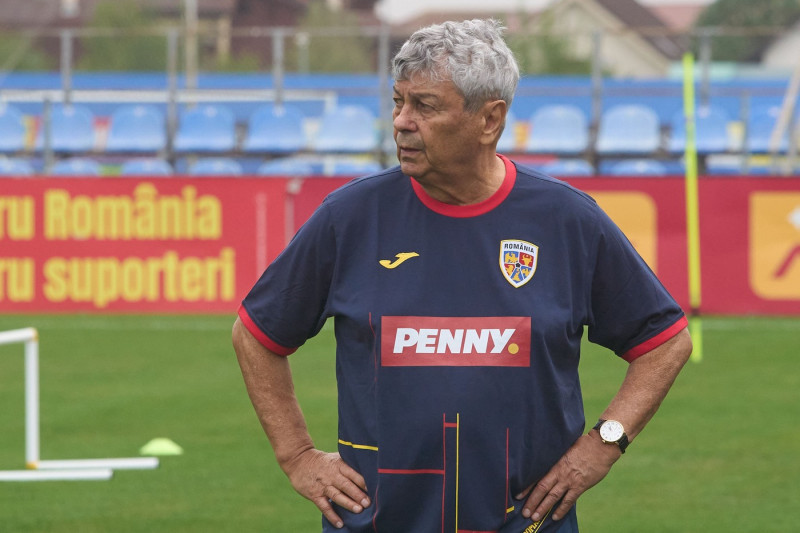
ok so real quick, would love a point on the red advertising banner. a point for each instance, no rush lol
(198, 244)
(161, 245)
(750, 240)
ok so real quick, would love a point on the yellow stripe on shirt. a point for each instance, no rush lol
(358, 446)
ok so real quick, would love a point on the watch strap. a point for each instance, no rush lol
(623, 442)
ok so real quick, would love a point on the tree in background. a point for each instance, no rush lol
(19, 52)
(348, 52)
(747, 20)
(127, 50)
(544, 51)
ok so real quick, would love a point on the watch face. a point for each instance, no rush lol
(611, 431)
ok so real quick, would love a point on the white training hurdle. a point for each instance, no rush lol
(55, 470)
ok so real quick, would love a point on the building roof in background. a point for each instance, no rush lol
(48, 13)
(630, 13)
(40, 14)
(27, 14)
(678, 16)
(438, 16)
(641, 19)
(205, 8)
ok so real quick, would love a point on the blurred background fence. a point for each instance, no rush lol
(119, 85)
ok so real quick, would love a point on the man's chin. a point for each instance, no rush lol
(408, 168)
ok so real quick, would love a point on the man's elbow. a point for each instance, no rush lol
(676, 351)
(684, 345)
(239, 335)
(670, 356)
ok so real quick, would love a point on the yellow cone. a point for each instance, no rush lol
(161, 446)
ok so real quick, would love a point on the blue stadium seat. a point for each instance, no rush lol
(558, 129)
(216, 166)
(347, 129)
(629, 129)
(76, 166)
(737, 165)
(760, 124)
(14, 166)
(354, 167)
(206, 128)
(711, 128)
(567, 167)
(12, 129)
(276, 130)
(146, 166)
(290, 166)
(725, 164)
(137, 128)
(71, 129)
(508, 140)
(633, 167)
(763, 170)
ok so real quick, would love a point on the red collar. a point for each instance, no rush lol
(472, 210)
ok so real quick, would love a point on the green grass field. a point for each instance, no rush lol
(720, 456)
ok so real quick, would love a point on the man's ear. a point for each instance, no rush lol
(494, 114)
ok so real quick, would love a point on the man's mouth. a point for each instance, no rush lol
(408, 149)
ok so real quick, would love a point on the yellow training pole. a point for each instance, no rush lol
(692, 209)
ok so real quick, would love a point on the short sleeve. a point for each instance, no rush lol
(287, 305)
(631, 311)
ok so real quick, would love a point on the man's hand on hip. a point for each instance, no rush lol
(582, 467)
(324, 478)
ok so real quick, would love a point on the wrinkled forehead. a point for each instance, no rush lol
(423, 82)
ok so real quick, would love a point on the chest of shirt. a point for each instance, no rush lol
(404, 260)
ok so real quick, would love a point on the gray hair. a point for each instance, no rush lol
(472, 54)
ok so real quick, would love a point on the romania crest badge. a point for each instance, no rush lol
(518, 261)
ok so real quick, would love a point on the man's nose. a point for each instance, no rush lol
(403, 120)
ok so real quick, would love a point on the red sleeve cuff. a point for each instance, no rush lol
(262, 337)
(654, 342)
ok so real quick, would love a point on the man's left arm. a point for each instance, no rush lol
(646, 383)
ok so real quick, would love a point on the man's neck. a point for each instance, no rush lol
(467, 188)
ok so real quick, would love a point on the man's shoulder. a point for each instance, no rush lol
(538, 182)
(359, 189)
(371, 182)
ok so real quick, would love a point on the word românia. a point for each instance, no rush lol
(144, 215)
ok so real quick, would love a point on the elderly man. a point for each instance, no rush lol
(460, 285)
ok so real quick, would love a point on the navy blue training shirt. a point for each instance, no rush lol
(458, 333)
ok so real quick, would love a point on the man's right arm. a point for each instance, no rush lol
(321, 477)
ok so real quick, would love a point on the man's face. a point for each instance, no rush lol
(435, 137)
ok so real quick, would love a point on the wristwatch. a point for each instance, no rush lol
(612, 432)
